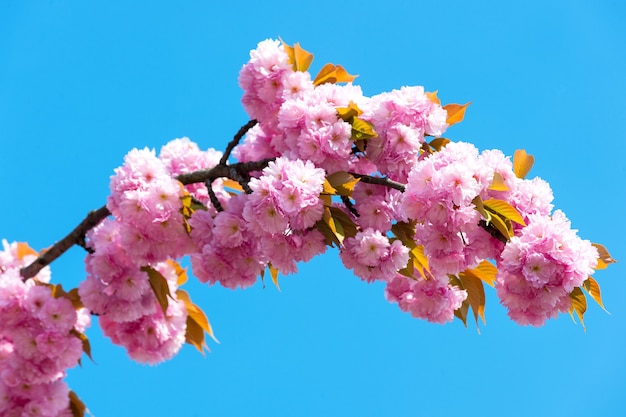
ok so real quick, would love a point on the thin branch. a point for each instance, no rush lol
(77, 235)
(231, 145)
(368, 179)
(214, 200)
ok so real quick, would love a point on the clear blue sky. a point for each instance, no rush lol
(83, 82)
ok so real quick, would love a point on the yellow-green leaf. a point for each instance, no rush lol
(159, 286)
(77, 407)
(299, 58)
(348, 227)
(362, 129)
(502, 225)
(405, 232)
(433, 97)
(593, 288)
(498, 184)
(456, 112)
(522, 163)
(347, 113)
(329, 236)
(579, 304)
(504, 209)
(605, 259)
(342, 182)
(420, 260)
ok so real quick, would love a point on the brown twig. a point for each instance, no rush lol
(231, 145)
(368, 179)
(77, 236)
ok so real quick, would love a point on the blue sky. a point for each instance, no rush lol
(81, 83)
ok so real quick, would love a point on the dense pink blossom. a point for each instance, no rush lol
(539, 269)
(372, 257)
(146, 200)
(434, 300)
(402, 118)
(38, 341)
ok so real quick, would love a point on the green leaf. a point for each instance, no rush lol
(77, 407)
(159, 286)
(348, 113)
(504, 209)
(579, 305)
(362, 129)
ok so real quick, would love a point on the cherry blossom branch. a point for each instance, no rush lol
(379, 181)
(77, 236)
(74, 237)
(231, 145)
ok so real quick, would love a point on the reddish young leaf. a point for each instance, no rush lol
(605, 258)
(77, 407)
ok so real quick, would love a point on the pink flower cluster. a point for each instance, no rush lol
(434, 299)
(39, 341)
(402, 118)
(439, 194)
(273, 224)
(372, 256)
(539, 269)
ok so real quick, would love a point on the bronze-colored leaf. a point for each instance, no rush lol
(579, 305)
(456, 112)
(475, 293)
(23, 250)
(605, 259)
(438, 143)
(593, 288)
(77, 407)
(159, 286)
(299, 58)
(362, 129)
(342, 182)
